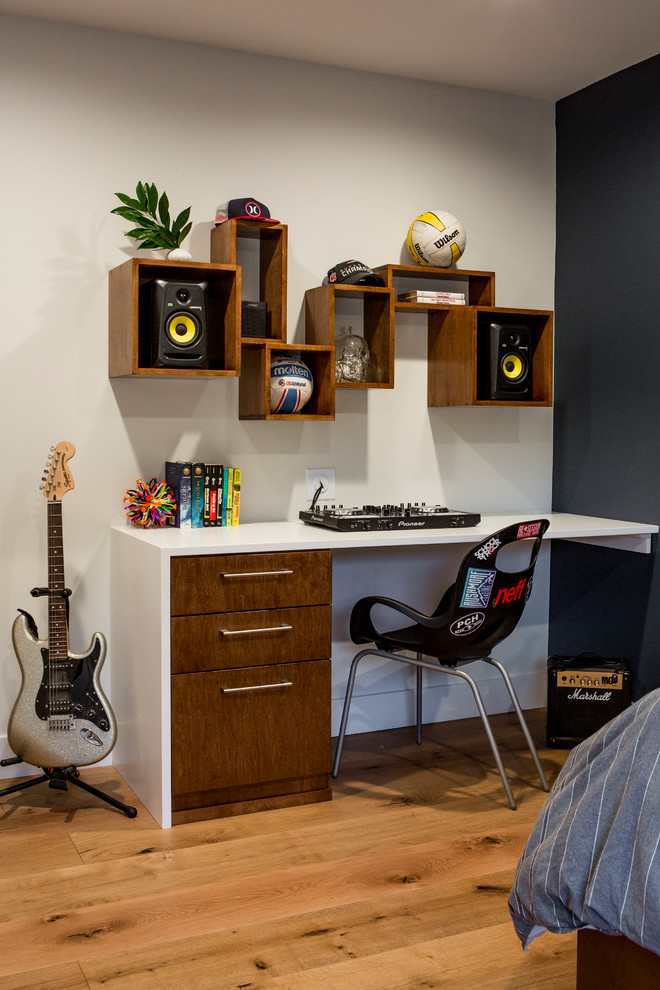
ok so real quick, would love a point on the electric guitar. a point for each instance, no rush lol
(61, 717)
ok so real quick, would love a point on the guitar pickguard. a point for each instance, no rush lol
(74, 695)
(66, 738)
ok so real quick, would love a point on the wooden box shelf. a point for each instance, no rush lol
(323, 316)
(479, 287)
(254, 385)
(130, 323)
(458, 355)
(232, 243)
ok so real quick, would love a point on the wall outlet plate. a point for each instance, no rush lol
(317, 476)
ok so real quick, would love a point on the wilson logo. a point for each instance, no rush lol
(446, 239)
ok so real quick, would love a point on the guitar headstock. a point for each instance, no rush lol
(57, 479)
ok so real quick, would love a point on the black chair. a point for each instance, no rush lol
(476, 613)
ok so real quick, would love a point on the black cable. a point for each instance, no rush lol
(316, 496)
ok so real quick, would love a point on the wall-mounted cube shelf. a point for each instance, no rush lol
(262, 246)
(459, 355)
(254, 385)
(327, 307)
(131, 319)
(479, 287)
(459, 336)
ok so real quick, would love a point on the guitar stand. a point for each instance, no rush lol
(58, 778)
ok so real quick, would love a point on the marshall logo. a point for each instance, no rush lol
(580, 695)
(446, 239)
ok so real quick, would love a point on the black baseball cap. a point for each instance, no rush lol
(352, 273)
(243, 209)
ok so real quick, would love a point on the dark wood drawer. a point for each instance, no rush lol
(235, 729)
(249, 639)
(235, 582)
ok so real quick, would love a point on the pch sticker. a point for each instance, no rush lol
(467, 624)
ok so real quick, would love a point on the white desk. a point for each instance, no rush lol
(271, 536)
(140, 612)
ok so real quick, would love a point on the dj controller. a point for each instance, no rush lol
(389, 517)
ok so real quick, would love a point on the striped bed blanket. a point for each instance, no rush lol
(593, 856)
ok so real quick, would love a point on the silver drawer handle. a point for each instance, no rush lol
(255, 687)
(248, 574)
(247, 632)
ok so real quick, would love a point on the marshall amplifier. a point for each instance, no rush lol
(584, 692)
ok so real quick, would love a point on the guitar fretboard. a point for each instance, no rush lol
(58, 633)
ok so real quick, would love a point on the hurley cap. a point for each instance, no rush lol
(352, 273)
(243, 209)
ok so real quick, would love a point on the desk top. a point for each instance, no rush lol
(265, 537)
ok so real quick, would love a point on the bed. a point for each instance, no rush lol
(592, 861)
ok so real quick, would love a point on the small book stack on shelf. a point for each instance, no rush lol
(431, 297)
(205, 494)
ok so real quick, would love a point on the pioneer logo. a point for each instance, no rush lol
(579, 695)
(407, 523)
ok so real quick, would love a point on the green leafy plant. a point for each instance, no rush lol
(151, 214)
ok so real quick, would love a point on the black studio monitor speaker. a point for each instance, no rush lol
(510, 362)
(178, 320)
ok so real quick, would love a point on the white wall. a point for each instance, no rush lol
(347, 160)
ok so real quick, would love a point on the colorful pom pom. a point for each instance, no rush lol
(149, 504)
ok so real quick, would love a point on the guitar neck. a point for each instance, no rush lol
(58, 631)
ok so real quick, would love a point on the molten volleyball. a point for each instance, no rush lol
(291, 383)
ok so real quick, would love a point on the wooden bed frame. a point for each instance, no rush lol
(611, 962)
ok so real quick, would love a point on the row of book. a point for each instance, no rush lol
(205, 494)
(431, 297)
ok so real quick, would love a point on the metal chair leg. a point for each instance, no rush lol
(521, 718)
(347, 706)
(418, 701)
(489, 732)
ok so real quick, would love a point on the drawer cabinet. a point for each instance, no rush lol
(250, 682)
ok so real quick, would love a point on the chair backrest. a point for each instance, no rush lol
(485, 603)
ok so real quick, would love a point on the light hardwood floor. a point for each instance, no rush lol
(399, 883)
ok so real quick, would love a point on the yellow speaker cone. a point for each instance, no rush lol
(182, 329)
(512, 366)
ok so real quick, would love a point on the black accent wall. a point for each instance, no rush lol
(607, 364)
